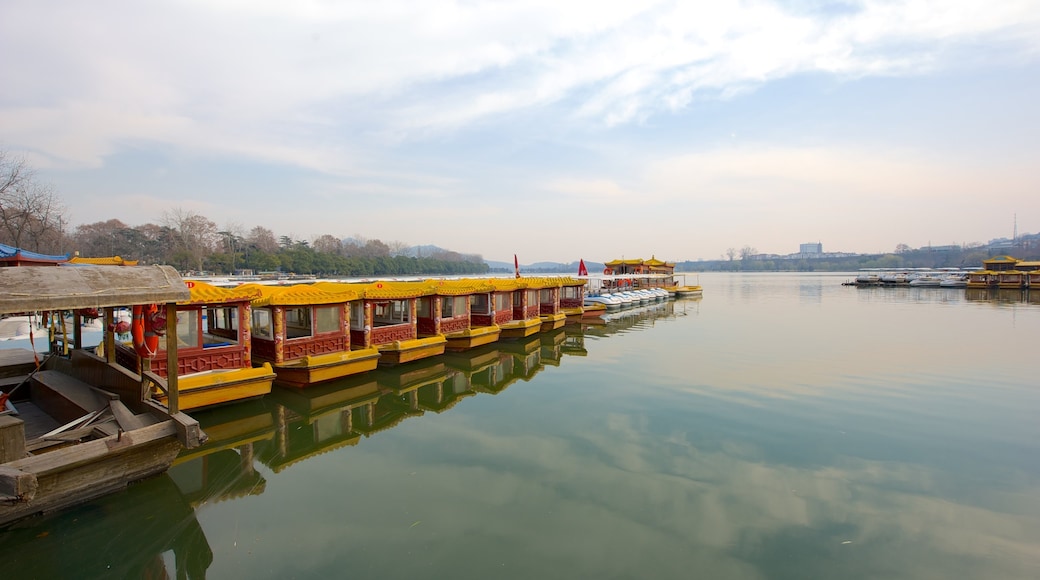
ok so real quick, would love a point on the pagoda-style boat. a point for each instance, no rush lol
(391, 323)
(306, 332)
(549, 311)
(997, 272)
(983, 279)
(1032, 273)
(77, 425)
(461, 311)
(213, 349)
(572, 299)
(1012, 280)
(517, 310)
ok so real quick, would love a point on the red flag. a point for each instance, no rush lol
(516, 264)
(582, 271)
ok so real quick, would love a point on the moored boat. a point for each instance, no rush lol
(214, 362)
(513, 297)
(80, 426)
(307, 332)
(460, 310)
(391, 323)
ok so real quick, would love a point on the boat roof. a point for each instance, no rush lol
(105, 261)
(204, 293)
(461, 287)
(302, 294)
(30, 288)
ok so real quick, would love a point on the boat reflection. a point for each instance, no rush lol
(1000, 296)
(291, 425)
(223, 467)
(123, 535)
(639, 318)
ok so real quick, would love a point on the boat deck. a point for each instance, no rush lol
(37, 423)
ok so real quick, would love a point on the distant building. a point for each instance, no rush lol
(811, 249)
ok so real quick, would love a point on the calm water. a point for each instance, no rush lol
(784, 426)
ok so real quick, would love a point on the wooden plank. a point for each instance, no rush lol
(12, 438)
(93, 450)
(62, 396)
(126, 419)
(17, 483)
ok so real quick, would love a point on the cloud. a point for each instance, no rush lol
(307, 76)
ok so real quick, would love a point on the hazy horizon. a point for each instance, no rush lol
(546, 130)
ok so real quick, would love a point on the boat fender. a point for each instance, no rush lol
(149, 323)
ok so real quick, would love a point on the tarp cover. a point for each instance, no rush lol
(33, 288)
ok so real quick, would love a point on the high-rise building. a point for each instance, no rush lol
(811, 248)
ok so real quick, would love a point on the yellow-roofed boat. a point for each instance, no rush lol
(572, 299)
(460, 310)
(306, 333)
(214, 362)
(549, 311)
(391, 327)
(516, 307)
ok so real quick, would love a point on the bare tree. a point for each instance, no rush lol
(262, 239)
(375, 248)
(731, 253)
(100, 239)
(196, 235)
(746, 252)
(327, 244)
(31, 215)
(397, 248)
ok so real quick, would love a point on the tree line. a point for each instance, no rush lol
(33, 217)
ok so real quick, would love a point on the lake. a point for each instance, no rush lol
(784, 426)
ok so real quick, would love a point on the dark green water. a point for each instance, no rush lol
(783, 426)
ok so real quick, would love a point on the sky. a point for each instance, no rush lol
(553, 130)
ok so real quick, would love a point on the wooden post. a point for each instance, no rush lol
(173, 402)
(110, 335)
(77, 330)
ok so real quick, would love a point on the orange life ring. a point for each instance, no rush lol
(149, 323)
(608, 271)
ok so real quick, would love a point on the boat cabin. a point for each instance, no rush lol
(450, 310)
(390, 310)
(522, 303)
(214, 350)
(304, 331)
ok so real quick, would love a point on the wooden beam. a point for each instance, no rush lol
(173, 401)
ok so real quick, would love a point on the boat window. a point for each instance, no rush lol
(327, 318)
(298, 322)
(460, 306)
(188, 328)
(424, 309)
(452, 306)
(571, 292)
(518, 298)
(503, 301)
(391, 312)
(479, 304)
(261, 323)
(532, 297)
(220, 326)
(357, 315)
(545, 296)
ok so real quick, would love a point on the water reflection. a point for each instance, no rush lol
(797, 429)
(147, 531)
(1003, 296)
